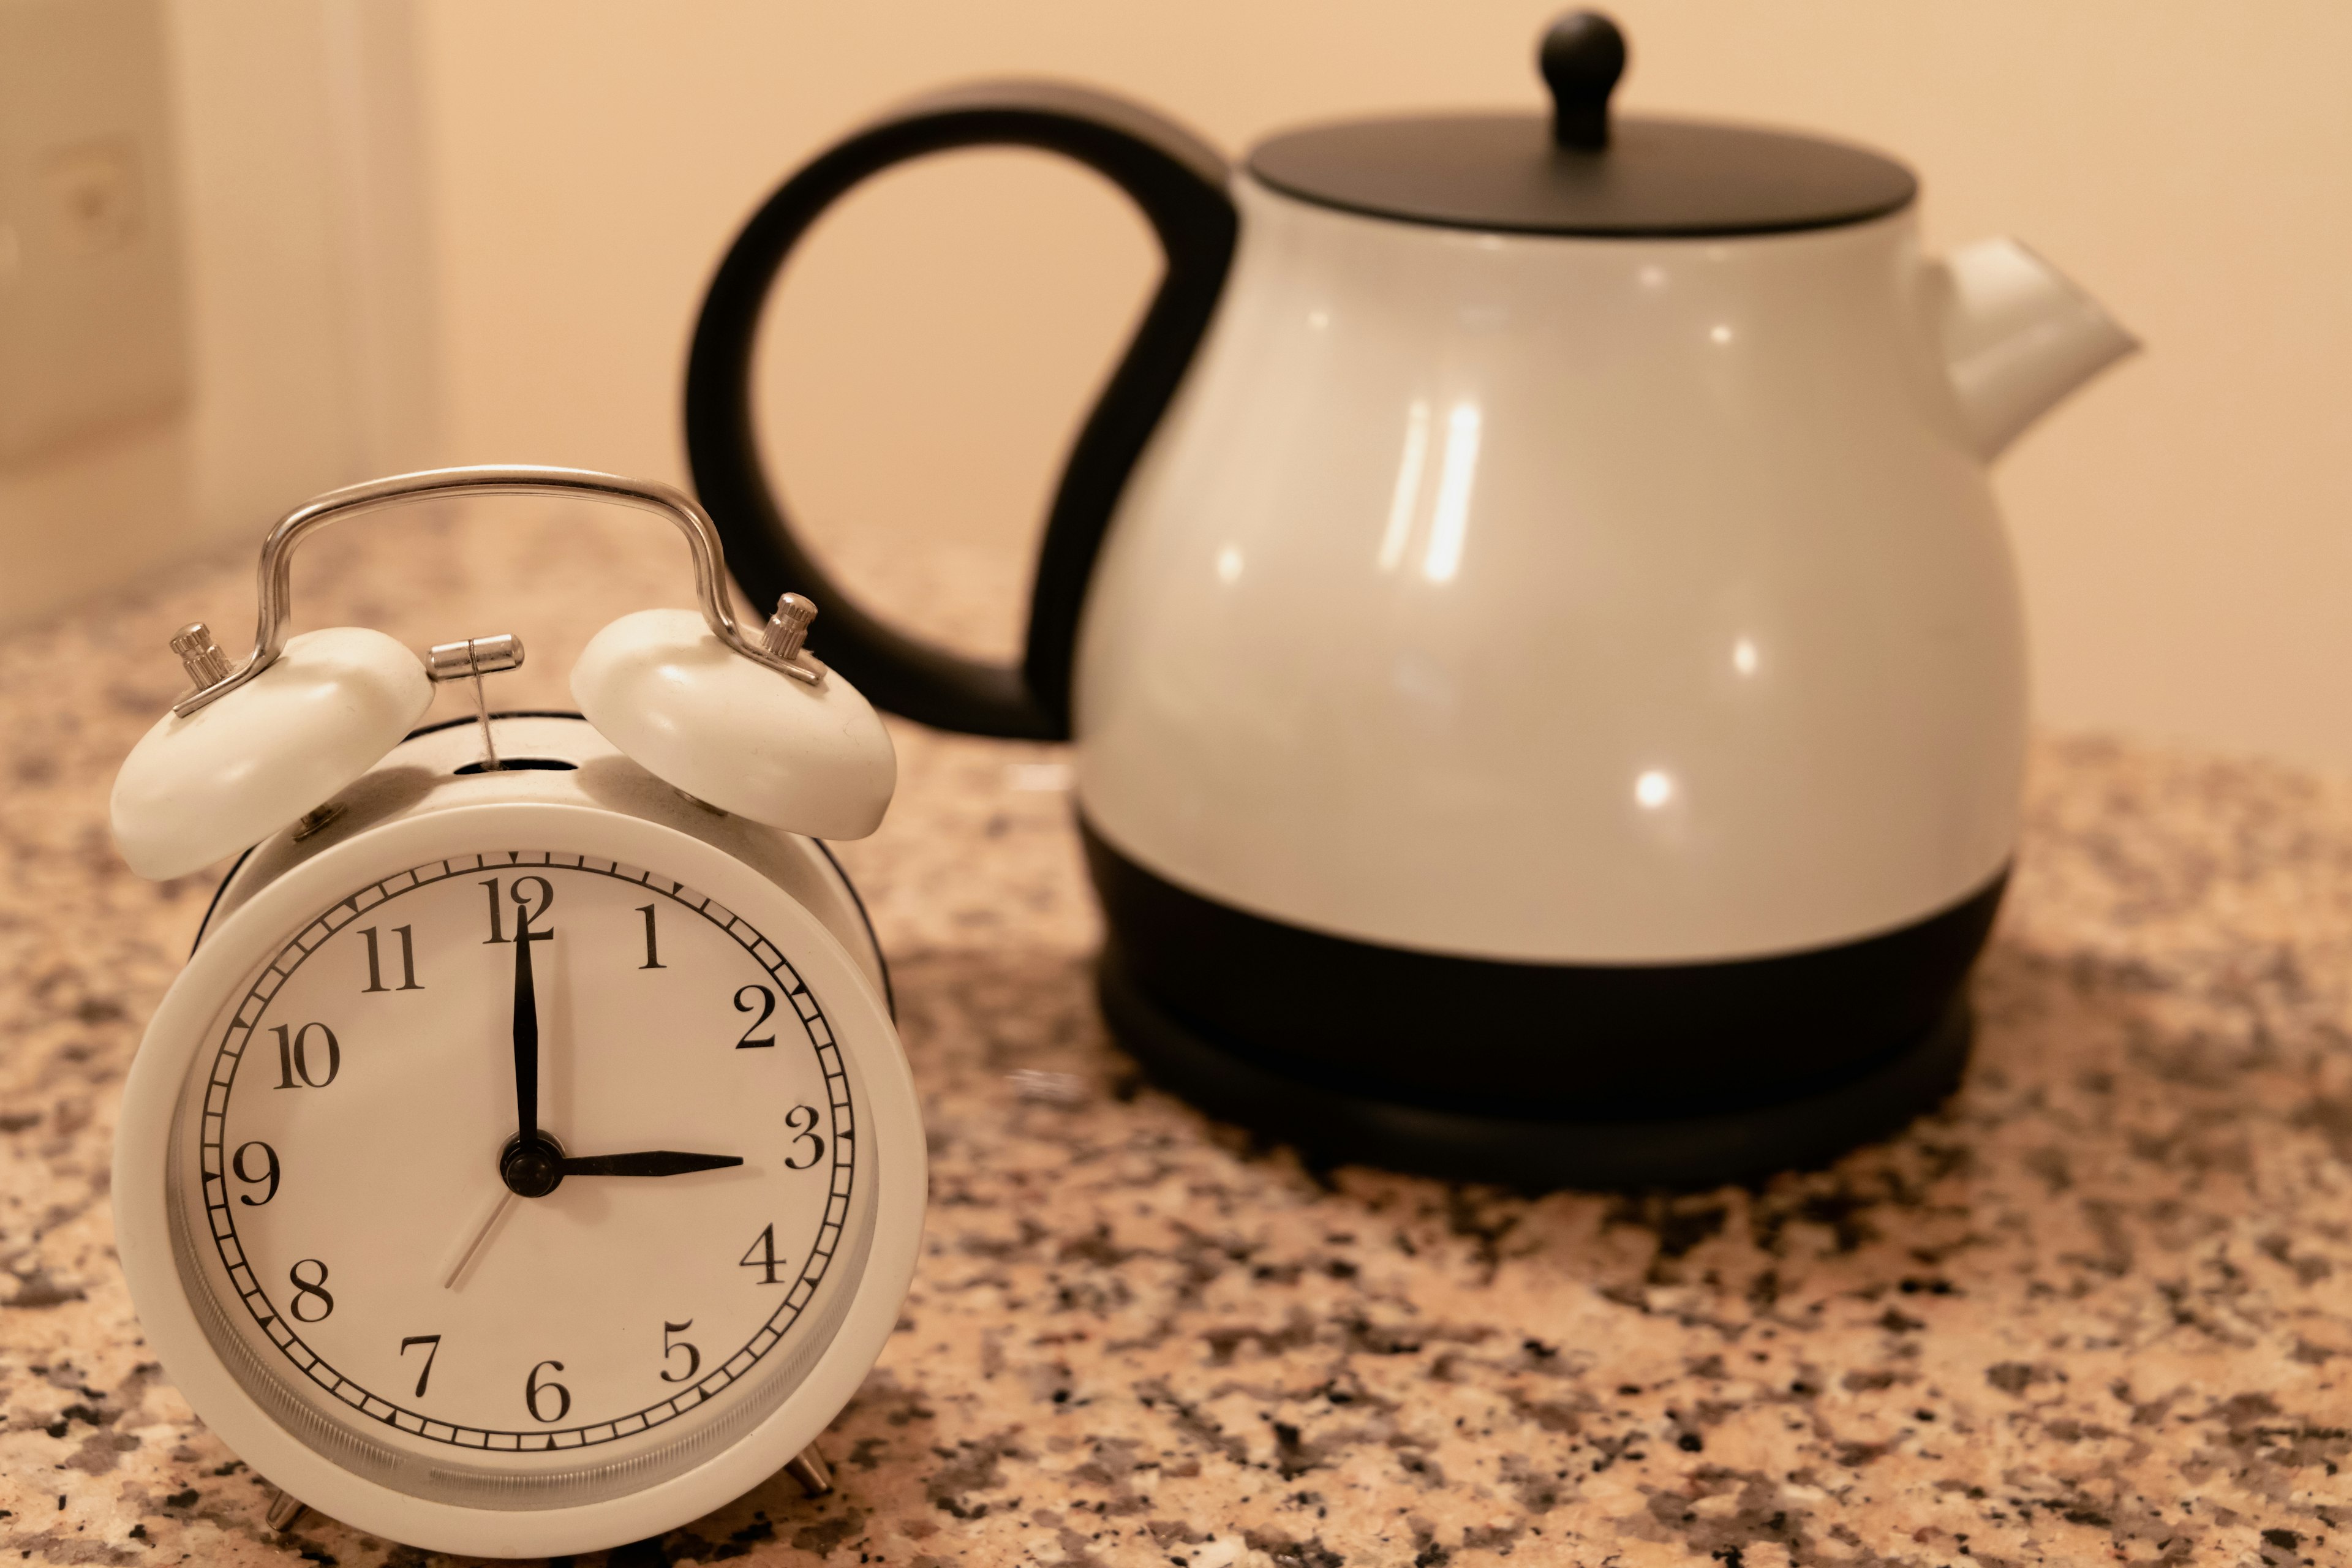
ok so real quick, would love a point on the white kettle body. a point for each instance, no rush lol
(1547, 676)
(1561, 601)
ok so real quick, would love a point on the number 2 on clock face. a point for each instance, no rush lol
(357, 1104)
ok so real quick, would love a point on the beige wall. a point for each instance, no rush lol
(2182, 526)
(306, 287)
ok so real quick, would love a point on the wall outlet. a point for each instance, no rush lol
(92, 323)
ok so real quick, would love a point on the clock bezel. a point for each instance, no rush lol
(893, 1154)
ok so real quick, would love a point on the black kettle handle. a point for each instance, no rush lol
(1179, 182)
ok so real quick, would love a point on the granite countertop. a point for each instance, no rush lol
(2098, 1308)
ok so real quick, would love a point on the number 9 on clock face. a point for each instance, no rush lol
(542, 1176)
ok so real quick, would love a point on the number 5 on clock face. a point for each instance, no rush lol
(343, 1161)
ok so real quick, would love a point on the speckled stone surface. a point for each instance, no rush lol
(2097, 1310)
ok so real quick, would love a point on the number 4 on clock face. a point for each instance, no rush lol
(765, 1259)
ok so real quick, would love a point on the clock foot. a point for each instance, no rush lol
(286, 1510)
(807, 1467)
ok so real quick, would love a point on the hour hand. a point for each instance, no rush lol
(647, 1162)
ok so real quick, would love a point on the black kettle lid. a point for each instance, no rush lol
(1582, 171)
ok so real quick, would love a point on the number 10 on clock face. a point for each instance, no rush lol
(492, 1206)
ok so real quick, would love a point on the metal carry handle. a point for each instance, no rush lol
(274, 590)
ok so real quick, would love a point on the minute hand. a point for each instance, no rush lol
(526, 1037)
(649, 1162)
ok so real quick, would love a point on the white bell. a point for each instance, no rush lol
(808, 756)
(235, 771)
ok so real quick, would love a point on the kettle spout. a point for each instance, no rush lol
(2017, 337)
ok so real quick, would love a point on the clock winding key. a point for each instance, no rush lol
(472, 660)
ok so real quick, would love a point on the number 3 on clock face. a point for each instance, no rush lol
(721, 1206)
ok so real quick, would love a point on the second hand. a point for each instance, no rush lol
(474, 1248)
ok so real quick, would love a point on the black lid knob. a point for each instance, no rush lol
(1582, 56)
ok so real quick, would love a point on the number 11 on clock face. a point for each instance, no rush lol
(523, 1152)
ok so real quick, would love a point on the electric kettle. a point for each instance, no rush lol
(1545, 667)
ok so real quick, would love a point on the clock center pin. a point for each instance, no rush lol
(531, 1167)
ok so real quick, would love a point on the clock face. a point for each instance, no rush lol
(689, 1219)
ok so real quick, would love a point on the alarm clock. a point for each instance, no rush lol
(525, 1162)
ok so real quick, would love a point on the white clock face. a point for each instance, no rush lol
(636, 1284)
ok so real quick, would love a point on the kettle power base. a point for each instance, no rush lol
(1332, 1123)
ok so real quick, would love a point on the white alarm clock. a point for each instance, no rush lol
(525, 1162)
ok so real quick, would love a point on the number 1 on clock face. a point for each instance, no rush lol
(358, 1110)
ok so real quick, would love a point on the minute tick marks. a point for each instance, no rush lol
(532, 1282)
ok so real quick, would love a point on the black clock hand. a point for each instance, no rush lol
(651, 1162)
(528, 1164)
(526, 1037)
(532, 1168)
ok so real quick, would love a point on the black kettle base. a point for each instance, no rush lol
(1332, 1124)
